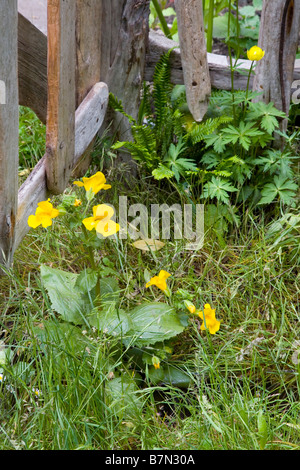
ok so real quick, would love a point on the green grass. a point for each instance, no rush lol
(244, 371)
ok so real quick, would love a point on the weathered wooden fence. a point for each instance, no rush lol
(63, 69)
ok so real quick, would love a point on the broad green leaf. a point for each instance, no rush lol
(154, 322)
(170, 375)
(262, 429)
(86, 280)
(109, 289)
(66, 298)
(123, 397)
(111, 320)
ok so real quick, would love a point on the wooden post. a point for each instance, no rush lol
(9, 128)
(60, 140)
(193, 56)
(279, 36)
(88, 41)
(125, 27)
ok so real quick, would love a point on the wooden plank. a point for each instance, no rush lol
(279, 38)
(32, 64)
(60, 139)
(88, 40)
(89, 118)
(219, 65)
(125, 27)
(9, 129)
(194, 56)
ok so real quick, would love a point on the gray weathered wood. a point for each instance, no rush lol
(9, 129)
(194, 56)
(219, 65)
(279, 37)
(60, 138)
(88, 51)
(89, 118)
(125, 26)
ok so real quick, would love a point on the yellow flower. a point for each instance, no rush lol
(160, 280)
(43, 215)
(77, 203)
(255, 53)
(101, 221)
(95, 183)
(156, 362)
(209, 319)
(191, 308)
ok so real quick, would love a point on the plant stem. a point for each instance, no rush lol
(230, 57)
(162, 19)
(92, 261)
(210, 25)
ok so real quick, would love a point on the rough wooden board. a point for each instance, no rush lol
(89, 118)
(60, 134)
(32, 64)
(9, 129)
(125, 26)
(193, 56)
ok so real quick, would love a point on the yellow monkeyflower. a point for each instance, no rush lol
(101, 221)
(156, 362)
(209, 319)
(159, 281)
(43, 215)
(191, 308)
(77, 203)
(94, 183)
(255, 53)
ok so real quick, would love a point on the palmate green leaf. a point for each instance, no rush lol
(282, 188)
(153, 322)
(218, 188)
(242, 134)
(267, 114)
(162, 172)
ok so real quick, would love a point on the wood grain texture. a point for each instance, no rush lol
(9, 129)
(193, 56)
(125, 26)
(88, 56)
(279, 36)
(32, 64)
(89, 117)
(60, 138)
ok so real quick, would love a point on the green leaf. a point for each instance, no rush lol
(123, 397)
(111, 320)
(262, 429)
(282, 188)
(154, 322)
(218, 188)
(162, 172)
(66, 298)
